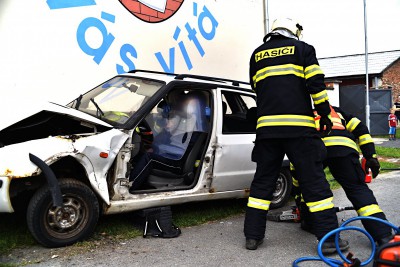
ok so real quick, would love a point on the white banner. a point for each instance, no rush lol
(57, 49)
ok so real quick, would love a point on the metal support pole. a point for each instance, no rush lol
(367, 107)
(266, 17)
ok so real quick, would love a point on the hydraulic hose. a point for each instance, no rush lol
(335, 262)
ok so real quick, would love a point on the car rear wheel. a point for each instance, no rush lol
(66, 225)
(282, 190)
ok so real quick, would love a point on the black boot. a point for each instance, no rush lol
(252, 244)
(329, 247)
(384, 240)
(158, 223)
(151, 226)
(168, 229)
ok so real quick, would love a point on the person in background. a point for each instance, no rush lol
(392, 121)
(396, 107)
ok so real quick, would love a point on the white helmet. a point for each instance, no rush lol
(289, 25)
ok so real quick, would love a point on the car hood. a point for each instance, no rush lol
(17, 113)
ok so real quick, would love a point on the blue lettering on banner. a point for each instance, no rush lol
(128, 52)
(56, 4)
(125, 49)
(205, 14)
(87, 23)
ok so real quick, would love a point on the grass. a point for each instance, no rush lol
(116, 228)
(389, 152)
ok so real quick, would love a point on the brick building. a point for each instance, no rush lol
(383, 70)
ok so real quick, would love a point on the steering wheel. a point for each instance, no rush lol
(145, 132)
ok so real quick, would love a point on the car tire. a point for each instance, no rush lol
(283, 189)
(75, 221)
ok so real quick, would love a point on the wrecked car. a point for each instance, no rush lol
(70, 164)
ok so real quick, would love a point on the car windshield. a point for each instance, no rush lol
(116, 100)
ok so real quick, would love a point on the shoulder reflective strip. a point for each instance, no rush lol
(369, 210)
(286, 120)
(340, 141)
(320, 205)
(365, 139)
(312, 70)
(277, 70)
(274, 52)
(352, 124)
(320, 97)
(258, 203)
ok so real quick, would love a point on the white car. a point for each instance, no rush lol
(70, 164)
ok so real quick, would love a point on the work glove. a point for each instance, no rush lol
(325, 125)
(373, 165)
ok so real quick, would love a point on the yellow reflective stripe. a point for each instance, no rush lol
(365, 139)
(320, 205)
(369, 210)
(286, 120)
(295, 182)
(352, 124)
(285, 69)
(291, 166)
(320, 97)
(258, 203)
(340, 141)
(336, 120)
(312, 70)
(337, 123)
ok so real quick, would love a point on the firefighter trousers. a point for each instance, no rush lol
(349, 174)
(307, 155)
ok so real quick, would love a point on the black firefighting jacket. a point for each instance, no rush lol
(347, 136)
(284, 72)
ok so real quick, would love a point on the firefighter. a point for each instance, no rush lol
(344, 164)
(284, 72)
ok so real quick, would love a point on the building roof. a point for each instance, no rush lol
(355, 64)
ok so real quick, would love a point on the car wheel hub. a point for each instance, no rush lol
(280, 187)
(65, 217)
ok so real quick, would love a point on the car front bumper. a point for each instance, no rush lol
(5, 203)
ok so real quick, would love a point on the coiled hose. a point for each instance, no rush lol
(337, 263)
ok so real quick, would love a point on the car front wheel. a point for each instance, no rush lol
(283, 189)
(66, 225)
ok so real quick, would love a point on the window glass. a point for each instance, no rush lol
(239, 113)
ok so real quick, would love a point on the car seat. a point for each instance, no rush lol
(162, 178)
(193, 132)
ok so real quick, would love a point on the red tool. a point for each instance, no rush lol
(368, 173)
(294, 214)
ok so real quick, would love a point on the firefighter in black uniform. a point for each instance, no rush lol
(344, 164)
(284, 72)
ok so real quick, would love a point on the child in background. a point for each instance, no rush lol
(392, 125)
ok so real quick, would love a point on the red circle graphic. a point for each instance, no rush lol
(152, 11)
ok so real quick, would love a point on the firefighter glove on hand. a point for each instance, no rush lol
(325, 125)
(373, 165)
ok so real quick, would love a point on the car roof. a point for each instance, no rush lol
(169, 77)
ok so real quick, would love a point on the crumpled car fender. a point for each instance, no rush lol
(15, 162)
